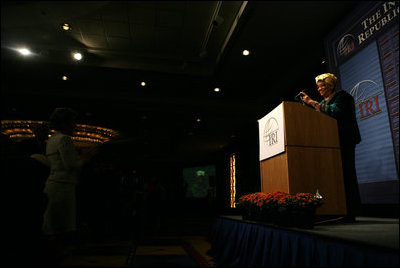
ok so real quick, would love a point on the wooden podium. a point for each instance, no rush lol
(311, 159)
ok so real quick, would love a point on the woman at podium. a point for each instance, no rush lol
(340, 105)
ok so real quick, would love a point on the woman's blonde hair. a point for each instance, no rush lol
(327, 78)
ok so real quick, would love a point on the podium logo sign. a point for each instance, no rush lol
(271, 133)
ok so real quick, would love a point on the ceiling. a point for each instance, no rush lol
(181, 49)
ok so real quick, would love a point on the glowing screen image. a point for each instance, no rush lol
(197, 181)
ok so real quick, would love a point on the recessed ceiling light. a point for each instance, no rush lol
(246, 52)
(217, 89)
(198, 119)
(143, 84)
(66, 27)
(77, 56)
(64, 78)
(24, 51)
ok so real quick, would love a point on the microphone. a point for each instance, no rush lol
(298, 96)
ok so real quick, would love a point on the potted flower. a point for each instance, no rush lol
(261, 206)
(250, 205)
(299, 210)
(280, 208)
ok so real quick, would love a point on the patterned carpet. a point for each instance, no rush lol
(188, 251)
(181, 240)
(169, 251)
(101, 254)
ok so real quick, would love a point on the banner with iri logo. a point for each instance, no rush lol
(271, 133)
(363, 51)
(361, 76)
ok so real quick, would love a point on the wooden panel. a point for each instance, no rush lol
(306, 127)
(274, 174)
(318, 168)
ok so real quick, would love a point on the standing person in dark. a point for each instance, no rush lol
(59, 221)
(340, 105)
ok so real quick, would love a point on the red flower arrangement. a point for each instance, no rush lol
(269, 206)
(263, 200)
(304, 200)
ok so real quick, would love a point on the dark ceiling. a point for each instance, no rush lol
(181, 49)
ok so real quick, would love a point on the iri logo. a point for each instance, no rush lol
(366, 96)
(271, 132)
(346, 45)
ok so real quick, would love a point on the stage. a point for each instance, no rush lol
(369, 242)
